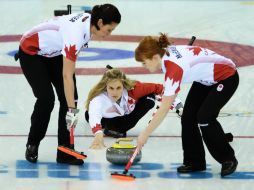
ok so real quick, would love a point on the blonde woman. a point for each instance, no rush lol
(116, 104)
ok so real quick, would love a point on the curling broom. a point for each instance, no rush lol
(70, 150)
(125, 175)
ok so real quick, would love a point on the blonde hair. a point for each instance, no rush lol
(150, 46)
(109, 76)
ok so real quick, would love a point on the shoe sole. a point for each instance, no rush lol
(190, 171)
(230, 171)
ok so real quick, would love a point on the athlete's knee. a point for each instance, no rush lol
(46, 102)
(149, 101)
(188, 117)
(204, 119)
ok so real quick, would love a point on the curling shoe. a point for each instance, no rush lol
(64, 158)
(189, 168)
(32, 153)
(114, 134)
(228, 167)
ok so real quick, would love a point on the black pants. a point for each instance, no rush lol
(124, 123)
(41, 73)
(201, 110)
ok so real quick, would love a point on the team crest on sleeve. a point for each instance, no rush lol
(196, 50)
(71, 52)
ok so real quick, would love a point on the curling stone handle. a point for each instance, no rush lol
(129, 139)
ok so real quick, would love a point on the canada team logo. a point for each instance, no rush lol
(220, 87)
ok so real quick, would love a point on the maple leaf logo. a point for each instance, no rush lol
(131, 101)
(196, 50)
(174, 86)
(173, 72)
(71, 52)
(131, 104)
(96, 128)
(173, 76)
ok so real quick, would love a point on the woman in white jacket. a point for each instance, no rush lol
(117, 103)
(48, 53)
(214, 80)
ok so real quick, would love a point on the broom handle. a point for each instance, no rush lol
(127, 167)
(72, 137)
(192, 40)
(69, 9)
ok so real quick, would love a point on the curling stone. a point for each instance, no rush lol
(120, 153)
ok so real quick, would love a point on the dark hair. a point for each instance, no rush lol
(107, 12)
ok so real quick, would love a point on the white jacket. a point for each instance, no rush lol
(103, 106)
(64, 35)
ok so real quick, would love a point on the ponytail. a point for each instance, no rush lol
(150, 46)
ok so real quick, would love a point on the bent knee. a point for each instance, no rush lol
(150, 99)
(204, 119)
(46, 103)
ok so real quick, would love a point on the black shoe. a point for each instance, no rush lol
(189, 168)
(229, 137)
(114, 134)
(64, 158)
(228, 167)
(32, 153)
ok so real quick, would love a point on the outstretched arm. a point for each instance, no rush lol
(156, 121)
(98, 142)
(95, 116)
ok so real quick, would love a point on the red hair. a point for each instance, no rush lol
(150, 46)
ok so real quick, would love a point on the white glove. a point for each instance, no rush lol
(178, 107)
(71, 117)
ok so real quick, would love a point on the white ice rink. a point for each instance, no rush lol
(224, 26)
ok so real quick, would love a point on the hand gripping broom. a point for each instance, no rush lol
(70, 150)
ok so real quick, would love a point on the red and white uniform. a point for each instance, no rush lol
(103, 106)
(64, 35)
(186, 64)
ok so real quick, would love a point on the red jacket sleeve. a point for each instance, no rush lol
(143, 89)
